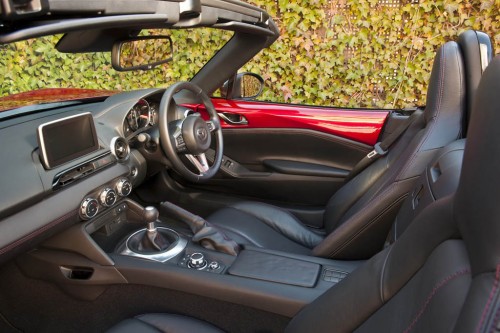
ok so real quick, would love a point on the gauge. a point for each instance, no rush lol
(155, 107)
(139, 116)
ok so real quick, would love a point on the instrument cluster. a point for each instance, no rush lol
(141, 115)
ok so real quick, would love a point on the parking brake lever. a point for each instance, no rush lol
(204, 233)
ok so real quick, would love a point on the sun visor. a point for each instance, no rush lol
(93, 40)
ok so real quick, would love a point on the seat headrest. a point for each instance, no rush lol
(445, 96)
(477, 51)
(477, 201)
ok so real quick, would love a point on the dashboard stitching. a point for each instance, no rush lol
(36, 232)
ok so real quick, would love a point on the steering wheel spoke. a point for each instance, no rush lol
(180, 144)
(212, 125)
(199, 161)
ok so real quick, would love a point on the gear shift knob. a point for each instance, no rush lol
(150, 216)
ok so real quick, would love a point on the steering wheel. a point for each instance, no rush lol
(190, 136)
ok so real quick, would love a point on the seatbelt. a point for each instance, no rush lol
(382, 148)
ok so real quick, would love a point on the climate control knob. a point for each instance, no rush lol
(123, 187)
(89, 208)
(107, 197)
(197, 261)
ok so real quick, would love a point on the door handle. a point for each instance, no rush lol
(233, 118)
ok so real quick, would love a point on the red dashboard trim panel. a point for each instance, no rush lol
(359, 125)
(50, 95)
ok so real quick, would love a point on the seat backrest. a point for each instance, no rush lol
(443, 274)
(477, 51)
(358, 217)
(439, 180)
(441, 176)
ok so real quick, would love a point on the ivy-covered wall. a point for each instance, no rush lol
(34, 64)
(366, 53)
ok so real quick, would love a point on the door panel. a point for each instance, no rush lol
(289, 154)
(257, 148)
(292, 166)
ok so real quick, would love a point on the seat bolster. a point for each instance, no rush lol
(281, 221)
(481, 303)
(164, 323)
(363, 233)
(432, 299)
(354, 299)
(347, 305)
(478, 51)
(445, 105)
(133, 325)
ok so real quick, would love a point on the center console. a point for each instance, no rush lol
(131, 244)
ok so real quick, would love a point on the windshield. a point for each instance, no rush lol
(35, 66)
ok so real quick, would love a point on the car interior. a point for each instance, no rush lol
(193, 223)
(358, 216)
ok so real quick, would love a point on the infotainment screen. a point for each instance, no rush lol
(66, 139)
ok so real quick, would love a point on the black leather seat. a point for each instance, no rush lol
(443, 273)
(442, 175)
(168, 323)
(358, 217)
(477, 51)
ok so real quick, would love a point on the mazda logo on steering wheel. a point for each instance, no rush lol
(202, 134)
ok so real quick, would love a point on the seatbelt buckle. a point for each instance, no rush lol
(377, 150)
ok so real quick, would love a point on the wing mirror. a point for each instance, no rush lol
(141, 53)
(243, 86)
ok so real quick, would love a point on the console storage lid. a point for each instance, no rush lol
(275, 268)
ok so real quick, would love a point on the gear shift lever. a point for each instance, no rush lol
(150, 215)
(152, 240)
(153, 243)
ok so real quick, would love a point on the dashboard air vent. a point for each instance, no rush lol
(120, 148)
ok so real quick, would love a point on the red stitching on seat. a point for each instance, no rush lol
(432, 294)
(495, 320)
(490, 299)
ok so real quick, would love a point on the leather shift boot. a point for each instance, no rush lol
(204, 233)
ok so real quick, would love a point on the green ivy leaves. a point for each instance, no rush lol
(35, 64)
(369, 53)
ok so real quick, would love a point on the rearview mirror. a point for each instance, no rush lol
(141, 53)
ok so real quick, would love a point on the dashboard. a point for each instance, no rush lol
(36, 200)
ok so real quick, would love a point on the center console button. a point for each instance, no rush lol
(123, 187)
(89, 208)
(213, 265)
